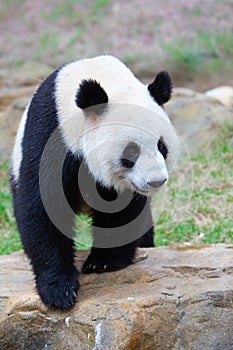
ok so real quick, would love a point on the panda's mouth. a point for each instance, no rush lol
(145, 192)
(124, 183)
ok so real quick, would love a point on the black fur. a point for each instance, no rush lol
(162, 148)
(51, 253)
(161, 88)
(110, 259)
(91, 95)
(130, 155)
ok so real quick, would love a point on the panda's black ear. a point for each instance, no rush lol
(161, 88)
(91, 96)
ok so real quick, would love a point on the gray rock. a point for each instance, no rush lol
(9, 121)
(25, 73)
(179, 92)
(197, 118)
(223, 94)
(175, 299)
(17, 85)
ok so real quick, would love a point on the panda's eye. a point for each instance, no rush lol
(162, 148)
(130, 155)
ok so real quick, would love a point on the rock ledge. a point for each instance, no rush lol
(174, 299)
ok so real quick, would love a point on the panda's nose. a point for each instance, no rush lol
(156, 184)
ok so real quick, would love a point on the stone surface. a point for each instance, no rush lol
(9, 121)
(179, 92)
(26, 73)
(223, 94)
(197, 117)
(16, 88)
(176, 298)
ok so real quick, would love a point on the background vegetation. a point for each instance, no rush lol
(193, 39)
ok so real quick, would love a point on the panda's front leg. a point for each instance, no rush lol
(52, 225)
(57, 281)
(51, 252)
(117, 236)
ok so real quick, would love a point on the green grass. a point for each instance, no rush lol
(208, 218)
(9, 237)
(196, 208)
(100, 3)
(65, 9)
(205, 52)
(83, 232)
(78, 16)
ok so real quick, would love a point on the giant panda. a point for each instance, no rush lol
(93, 117)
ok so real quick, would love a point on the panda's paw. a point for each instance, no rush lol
(99, 264)
(58, 291)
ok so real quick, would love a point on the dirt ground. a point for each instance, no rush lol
(56, 31)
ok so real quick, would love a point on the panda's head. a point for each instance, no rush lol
(124, 135)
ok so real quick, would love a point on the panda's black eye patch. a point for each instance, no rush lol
(162, 148)
(130, 155)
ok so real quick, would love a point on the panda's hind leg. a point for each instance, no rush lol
(109, 259)
(124, 228)
(147, 240)
(112, 259)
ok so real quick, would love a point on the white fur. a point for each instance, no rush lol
(149, 167)
(116, 79)
(17, 150)
(132, 115)
(103, 145)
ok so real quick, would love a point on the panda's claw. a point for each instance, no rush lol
(60, 292)
(101, 264)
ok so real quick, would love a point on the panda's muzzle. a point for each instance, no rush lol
(156, 184)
